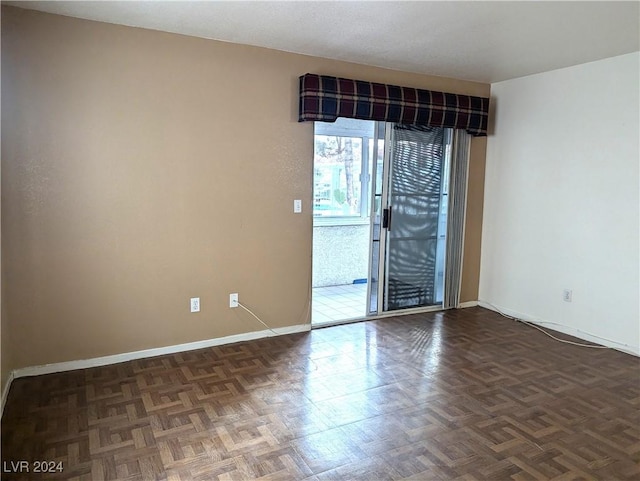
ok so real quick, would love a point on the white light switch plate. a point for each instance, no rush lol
(297, 206)
(195, 304)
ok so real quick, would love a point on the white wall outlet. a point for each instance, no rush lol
(195, 304)
(567, 295)
(233, 300)
(297, 206)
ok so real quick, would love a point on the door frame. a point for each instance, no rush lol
(385, 203)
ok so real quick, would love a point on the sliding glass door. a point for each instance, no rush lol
(381, 190)
(409, 222)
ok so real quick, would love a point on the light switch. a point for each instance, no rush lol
(297, 206)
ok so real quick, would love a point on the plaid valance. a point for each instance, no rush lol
(326, 98)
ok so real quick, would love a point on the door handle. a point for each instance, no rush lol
(386, 218)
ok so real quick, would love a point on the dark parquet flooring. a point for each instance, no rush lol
(462, 395)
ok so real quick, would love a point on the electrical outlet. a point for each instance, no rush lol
(297, 206)
(233, 300)
(567, 295)
(195, 304)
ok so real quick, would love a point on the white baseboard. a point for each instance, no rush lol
(571, 331)
(464, 305)
(5, 392)
(159, 351)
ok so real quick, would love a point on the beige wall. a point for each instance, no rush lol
(473, 225)
(5, 361)
(143, 168)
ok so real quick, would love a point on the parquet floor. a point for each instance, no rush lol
(462, 395)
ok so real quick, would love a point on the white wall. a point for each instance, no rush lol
(561, 200)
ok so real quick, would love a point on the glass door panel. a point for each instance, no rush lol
(412, 218)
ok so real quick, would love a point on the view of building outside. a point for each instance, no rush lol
(338, 169)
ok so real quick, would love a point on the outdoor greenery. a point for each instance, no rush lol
(332, 150)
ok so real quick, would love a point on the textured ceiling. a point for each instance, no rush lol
(481, 41)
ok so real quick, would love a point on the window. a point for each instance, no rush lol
(342, 171)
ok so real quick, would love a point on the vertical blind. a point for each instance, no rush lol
(415, 193)
(459, 175)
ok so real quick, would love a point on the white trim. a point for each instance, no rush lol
(464, 305)
(410, 310)
(335, 221)
(351, 320)
(572, 331)
(376, 317)
(5, 392)
(159, 351)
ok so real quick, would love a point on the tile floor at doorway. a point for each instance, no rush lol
(337, 303)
